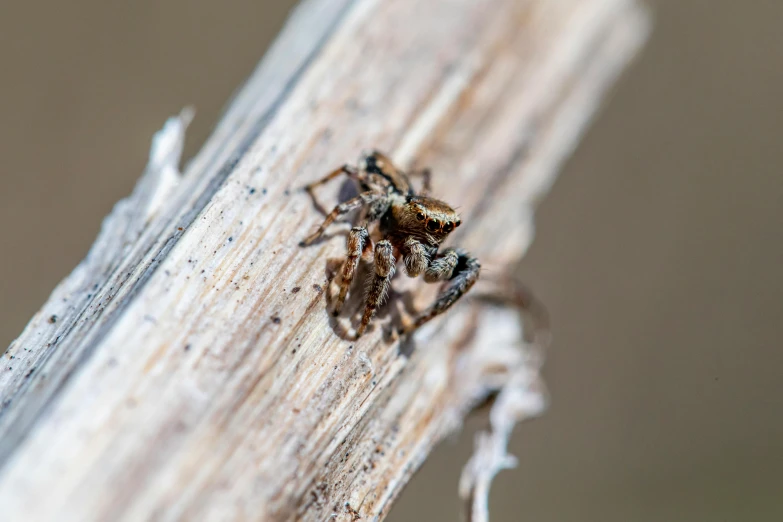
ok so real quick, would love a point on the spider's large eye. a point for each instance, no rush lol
(458, 223)
(448, 227)
(420, 216)
(433, 225)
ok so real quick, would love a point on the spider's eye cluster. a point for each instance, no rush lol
(433, 225)
(448, 227)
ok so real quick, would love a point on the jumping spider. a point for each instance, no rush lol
(413, 226)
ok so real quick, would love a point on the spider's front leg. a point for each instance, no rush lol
(442, 267)
(461, 270)
(385, 265)
(416, 258)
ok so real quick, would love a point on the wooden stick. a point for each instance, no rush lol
(188, 368)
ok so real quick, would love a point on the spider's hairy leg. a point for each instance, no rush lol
(365, 198)
(415, 257)
(385, 265)
(359, 242)
(464, 276)
(426, 179)
(346, 169)
(442, 267)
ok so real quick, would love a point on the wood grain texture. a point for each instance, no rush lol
(188, 367)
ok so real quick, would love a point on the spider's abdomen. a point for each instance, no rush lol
(376, 164)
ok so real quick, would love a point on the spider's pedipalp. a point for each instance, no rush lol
(415, 257)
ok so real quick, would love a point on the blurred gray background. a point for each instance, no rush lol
(658, 251)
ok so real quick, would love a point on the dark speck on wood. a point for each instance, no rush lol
(276, 320)
(53, 319)
(318, 288)
(295, 289)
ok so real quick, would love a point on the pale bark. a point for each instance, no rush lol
(188, 367)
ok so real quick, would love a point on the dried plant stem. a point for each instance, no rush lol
(188, 367)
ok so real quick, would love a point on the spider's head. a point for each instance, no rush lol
(430, 216)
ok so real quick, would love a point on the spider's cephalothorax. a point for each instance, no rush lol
(412, 225)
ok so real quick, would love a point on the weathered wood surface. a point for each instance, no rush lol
(188, 368)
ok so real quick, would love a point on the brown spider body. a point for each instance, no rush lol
(412, 225)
